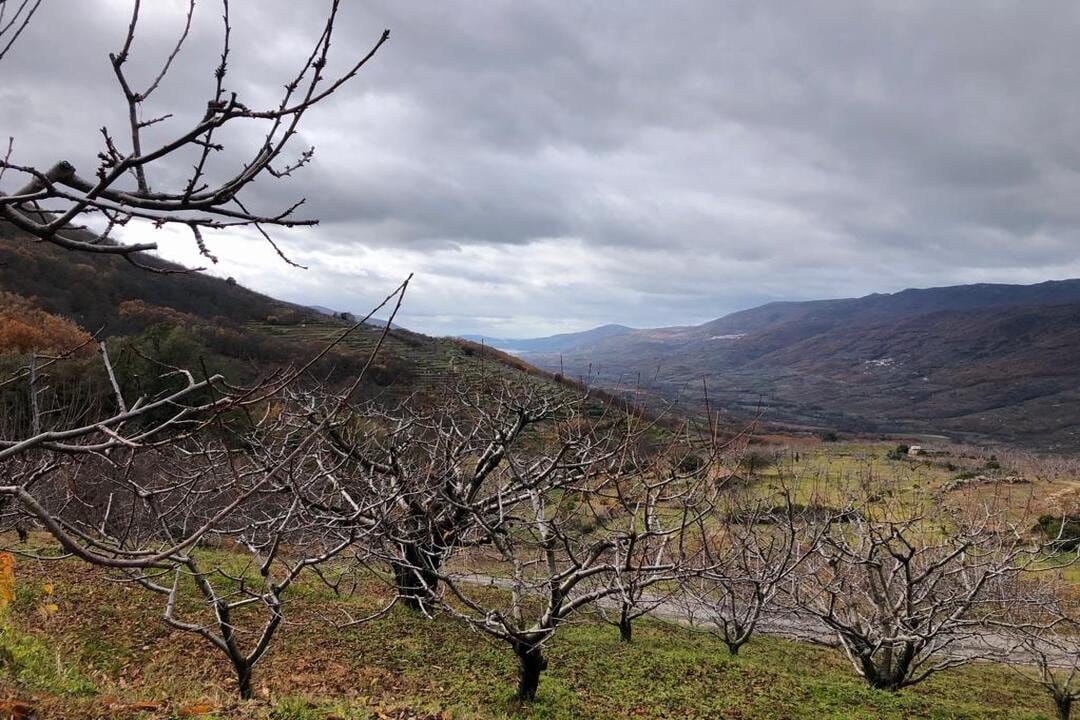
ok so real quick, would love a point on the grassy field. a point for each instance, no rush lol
(960, 476)
(75, 645)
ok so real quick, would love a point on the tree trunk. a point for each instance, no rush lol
(532, 664)
(890, 670)
(884, 680)
(243, 679)
(416, 577)
(626, 626)
(1063, 705)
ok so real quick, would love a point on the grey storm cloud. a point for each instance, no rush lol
(548, 166)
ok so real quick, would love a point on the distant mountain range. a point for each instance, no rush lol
(982, 362)
(564, 342)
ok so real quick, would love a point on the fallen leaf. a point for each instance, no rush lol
(17, 710)
(144, 706)
(196, 709)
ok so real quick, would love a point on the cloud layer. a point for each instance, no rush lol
(549, 166)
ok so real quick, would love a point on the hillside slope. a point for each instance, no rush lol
(200, 318)
(976, 362)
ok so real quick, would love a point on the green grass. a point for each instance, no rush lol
(106, 648)
(668, 673)
(1069, 564)
(32, 663)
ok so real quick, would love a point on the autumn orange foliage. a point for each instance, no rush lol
(26, 328)
(7, 579)
(137, 309)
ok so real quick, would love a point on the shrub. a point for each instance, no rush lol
(899, 452)
(758, 460)
(691, 463)
(1065, 529)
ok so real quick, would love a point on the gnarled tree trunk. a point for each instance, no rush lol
(626, 625)
(890, 670)
(532, 664)
(1063, 705)
(416, 576)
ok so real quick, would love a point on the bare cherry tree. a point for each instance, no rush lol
(908, 590)
(1055, 654)
(751, 545)
(445, 458)
(230, 587)
(637, 595)
(135, 175)
(1040, 640)
(589, 520)
(691, 453)
(235, 600)
(254, 482)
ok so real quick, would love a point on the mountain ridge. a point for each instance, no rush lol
(985, 362)
(1045, 292)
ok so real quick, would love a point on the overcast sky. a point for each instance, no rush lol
(552, 166)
